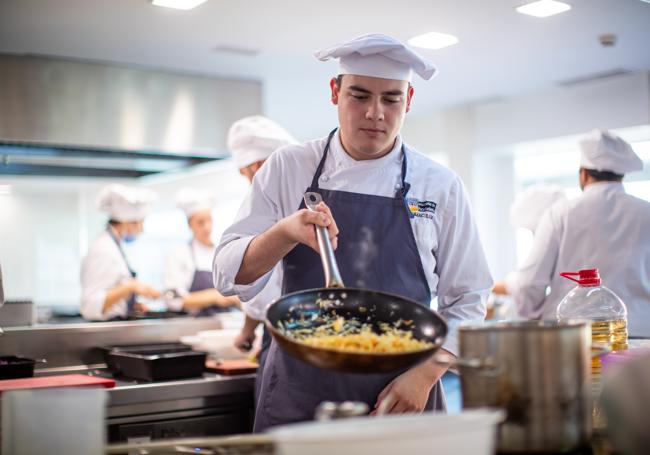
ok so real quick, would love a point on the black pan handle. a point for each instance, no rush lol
(332, 274)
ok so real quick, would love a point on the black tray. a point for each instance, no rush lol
(136, 316)
(13, 367)
(155, 362)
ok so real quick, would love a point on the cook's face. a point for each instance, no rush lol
(133, 228)
(201, 225)
(250, 170)
(371, 111)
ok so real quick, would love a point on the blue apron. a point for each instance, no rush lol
(201, 280)
(130, 303)
(291, 389)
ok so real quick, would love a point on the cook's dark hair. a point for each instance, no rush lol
(339, 79)
(605, 176)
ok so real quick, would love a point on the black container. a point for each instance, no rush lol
(157, 362)
(13, 367)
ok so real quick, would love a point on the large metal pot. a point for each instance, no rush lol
(539, 372)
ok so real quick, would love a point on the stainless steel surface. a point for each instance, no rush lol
(2, 292)
(330, 410)
(210, 385)
(93, 105)
(18, 313)
(543, 381)
(141, 409)
(332, 275)
(74, 344)
(230, 445)
(2, 296)
(209, 406)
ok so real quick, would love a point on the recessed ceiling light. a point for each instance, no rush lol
(433, 40)
(543, 8)
(178, 4)
(236, 50)
(5, 189)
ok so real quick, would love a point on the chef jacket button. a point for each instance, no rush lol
(398, 186)
(324, 178)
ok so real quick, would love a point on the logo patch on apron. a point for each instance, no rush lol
(421, 209)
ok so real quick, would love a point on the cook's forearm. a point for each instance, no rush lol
(250, 325)
(116, 294)
(208, 297)
(435, 369)
(263, 252)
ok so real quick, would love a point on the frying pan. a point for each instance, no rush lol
(301, 310)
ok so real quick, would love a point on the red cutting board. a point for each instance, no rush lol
(230, 367)
(65, 380)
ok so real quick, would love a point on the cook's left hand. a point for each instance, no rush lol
(409, 391)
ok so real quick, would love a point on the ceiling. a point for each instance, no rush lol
(501, 53)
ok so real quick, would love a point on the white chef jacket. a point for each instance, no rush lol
(447, 240)
(256, 306)
(180, 267)
(604, 228)
(101, 270)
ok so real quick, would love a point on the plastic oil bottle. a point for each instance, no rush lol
(608, 315)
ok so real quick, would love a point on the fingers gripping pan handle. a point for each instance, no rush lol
(332, 274)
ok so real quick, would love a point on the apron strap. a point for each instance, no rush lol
(130, 302)
(319, 169)
(401, 192)
(406, 186)
(119, 247)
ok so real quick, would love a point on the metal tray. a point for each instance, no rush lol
(155, 362)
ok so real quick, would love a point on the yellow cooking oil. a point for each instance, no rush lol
(612, 334)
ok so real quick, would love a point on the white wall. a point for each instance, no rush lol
(614, 102)
(301, 104)
(44, 228)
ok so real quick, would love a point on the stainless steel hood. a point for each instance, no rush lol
(63, 117)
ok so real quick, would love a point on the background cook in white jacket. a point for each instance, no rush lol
(188, 268)
(108, 285)
(604, 228)
(526, 212)
(251, 140)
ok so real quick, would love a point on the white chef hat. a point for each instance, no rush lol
(530, 204)
(126, 203)
(378, 55)
(603, 151)
(254, 138)
(192, 200)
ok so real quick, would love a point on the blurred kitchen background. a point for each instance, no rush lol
(94, 92)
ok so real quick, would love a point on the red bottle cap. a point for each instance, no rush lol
(586, 277)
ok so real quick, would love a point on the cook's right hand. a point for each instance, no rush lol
(143, 289)
(299, 227)
(244, 341)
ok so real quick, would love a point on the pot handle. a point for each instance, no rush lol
(485, 366)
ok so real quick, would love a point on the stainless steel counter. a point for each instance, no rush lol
(71, 345)
(208, 406)
(211, 405)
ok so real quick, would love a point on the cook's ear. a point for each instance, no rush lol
(334, 85)
(409, 96)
